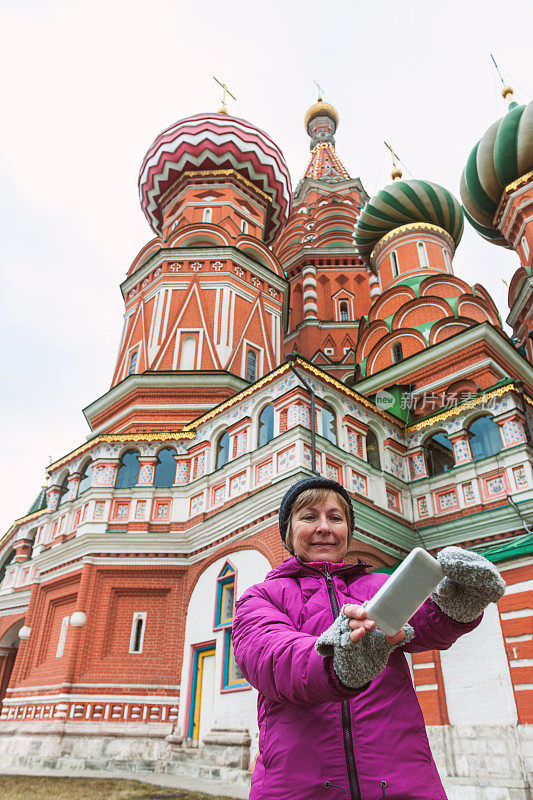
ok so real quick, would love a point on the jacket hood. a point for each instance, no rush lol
(293, 568)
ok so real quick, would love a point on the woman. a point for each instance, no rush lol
(338, 714)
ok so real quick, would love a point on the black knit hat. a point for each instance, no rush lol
(291, 494)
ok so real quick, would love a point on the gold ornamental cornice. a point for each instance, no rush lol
(523, 180)
(409, 228)
(189, 430)
(209, 173)
(466, 406)
(159, 436)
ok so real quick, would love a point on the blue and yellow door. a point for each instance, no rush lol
(202, 691)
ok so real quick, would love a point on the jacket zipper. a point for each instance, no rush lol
(347, 734)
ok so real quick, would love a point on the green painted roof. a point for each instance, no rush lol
(503, 154)
(401, 203)
(503, 551)
(39, 503)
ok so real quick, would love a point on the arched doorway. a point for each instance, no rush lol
(8, 652)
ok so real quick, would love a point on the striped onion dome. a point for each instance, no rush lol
(402, 203)
(502, 155)
(214, 142)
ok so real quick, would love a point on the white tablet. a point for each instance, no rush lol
(405, 591)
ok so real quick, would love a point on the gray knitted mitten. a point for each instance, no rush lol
(470, 583)
(357, 663)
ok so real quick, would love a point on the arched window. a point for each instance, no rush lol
(7, 563)
(485, 439)
(439, 454)
(422, 254)
(207, 215)
(266, 425)
(372, 450)
(447, 260)
(251, 366)
(165, 469)
(397, 352)
(525, 247)
(343, 309)
(133, 363)
(244, 226)
(128, 474)
(222, 453)
(63, 492)
(188, 353)
(394, 264)
(86, 478)
(329, 424)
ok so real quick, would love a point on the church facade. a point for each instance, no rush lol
(269, 334)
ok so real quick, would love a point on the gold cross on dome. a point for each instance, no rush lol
(223, 109)
(396, 171)
(320, 91)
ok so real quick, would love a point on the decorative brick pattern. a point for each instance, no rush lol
(520, 477)
(393, 499)
(461, 451)
(238, 484)
(286, 459)
(219, 494)
(448, 500)
(146, 475)
(359, 483)
(121, 510)
(422, 503)
(197, 504)
(99, 509)
(242, 443)
(92, 711)
(264, 471)
(182, 472)
(333, 472)
(418, 465)
(298, 415)
(200, 465)
(307, 458)
(161, 509)
(468, 493)
(495, 486)
(104, 475)
(513, 432)
(396, 463)
(352, 443)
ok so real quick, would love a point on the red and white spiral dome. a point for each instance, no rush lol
(213, 142)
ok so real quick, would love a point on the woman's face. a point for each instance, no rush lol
(319, 532)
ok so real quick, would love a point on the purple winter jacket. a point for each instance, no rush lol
(312, 730)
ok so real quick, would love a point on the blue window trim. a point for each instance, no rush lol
(226, 673)
(226, 578)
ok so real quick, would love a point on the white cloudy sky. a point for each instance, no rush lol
(87, 87)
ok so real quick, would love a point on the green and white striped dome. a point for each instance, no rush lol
(504, 154)
(402, 203)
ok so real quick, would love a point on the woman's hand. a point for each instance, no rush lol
(360, 625)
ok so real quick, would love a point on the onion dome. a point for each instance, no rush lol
(402, 203)
(502, 155)
(321, 109)
(215, 142)
(321, 122)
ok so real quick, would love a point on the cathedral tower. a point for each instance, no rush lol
(204, 298)
(497, 192)
(329, 284)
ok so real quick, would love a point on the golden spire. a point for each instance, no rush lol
(396, 173)
(507, 91)
(507, 94)
(223, 109)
